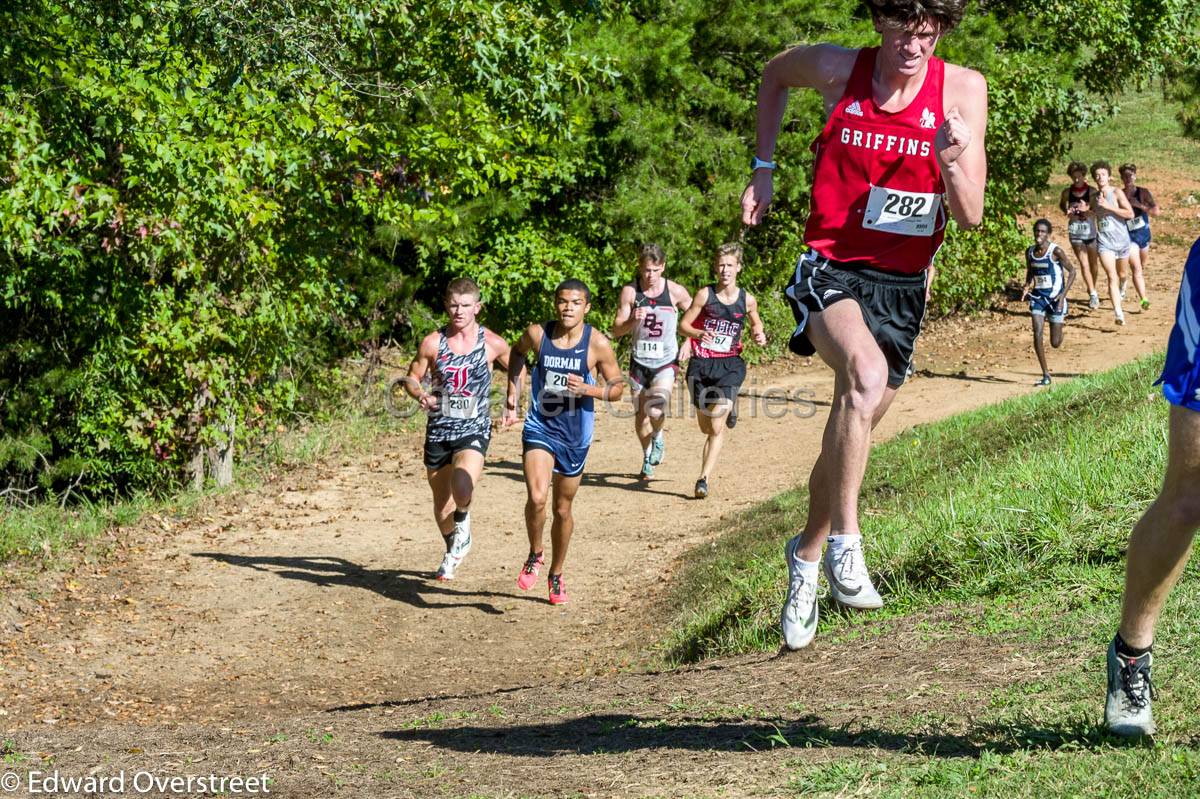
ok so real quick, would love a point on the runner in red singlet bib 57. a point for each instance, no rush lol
(902, 150)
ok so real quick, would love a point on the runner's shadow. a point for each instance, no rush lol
(618, 732)
(409, 587)
(622, 480)
(964, 376)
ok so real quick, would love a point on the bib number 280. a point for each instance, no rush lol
(908, 213)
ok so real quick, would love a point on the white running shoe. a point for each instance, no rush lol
(460, 545)
(798, 619)
(1119, 318)
(1093, 300)
(848, 579)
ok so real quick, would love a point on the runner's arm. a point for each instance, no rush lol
(960, 145)
(605, 362)
(757, 331)
(498, 350)
(1069, 268)
(1149, 204)
(531, 339)
(1123, 209)
(625, 319)
(1028, 278)
(824, 67)
(1062, 200)
(687, 322)
(418, 369)
(683, 301)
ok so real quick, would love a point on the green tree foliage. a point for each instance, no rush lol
(204, 204)
(191, 196)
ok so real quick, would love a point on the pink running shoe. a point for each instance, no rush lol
(558, 589)
(529, 571)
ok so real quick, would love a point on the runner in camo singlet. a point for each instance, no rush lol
(457, 361)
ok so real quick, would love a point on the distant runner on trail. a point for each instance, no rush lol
(716, 321)
(1162, 539)
(558, 425)
(1076, 203)
(1112, 211)
(649, 308)
(1144, 207)
(1048, 277)
(903, 147)
(458, 359)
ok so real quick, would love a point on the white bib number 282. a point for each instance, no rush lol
(908, 213)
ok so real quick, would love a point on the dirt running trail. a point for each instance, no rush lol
(303, 612)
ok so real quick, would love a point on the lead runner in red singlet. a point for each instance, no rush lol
(902, 149)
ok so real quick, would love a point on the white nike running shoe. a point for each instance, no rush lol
(849, 582)
(460, 545)
(798, 619)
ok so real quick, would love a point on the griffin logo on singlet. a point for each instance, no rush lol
(928, 120)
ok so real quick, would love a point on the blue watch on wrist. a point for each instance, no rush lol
(758, 163)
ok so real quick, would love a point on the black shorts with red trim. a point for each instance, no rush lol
(893, 306)
(713, 380)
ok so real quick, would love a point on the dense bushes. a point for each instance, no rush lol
(204, 204)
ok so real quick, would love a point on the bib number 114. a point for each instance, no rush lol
(909, 213)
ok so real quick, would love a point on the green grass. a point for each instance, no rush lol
(1142, 130)
(1037, 493)
(1014, 518)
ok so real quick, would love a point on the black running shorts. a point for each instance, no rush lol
(439, 453)
(712, 379)
(893, 306)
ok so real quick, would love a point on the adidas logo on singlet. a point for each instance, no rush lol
(854, 109)
(928, 120)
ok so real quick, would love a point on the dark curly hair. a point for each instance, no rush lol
(908, 14)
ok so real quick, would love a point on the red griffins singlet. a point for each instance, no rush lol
(877, 197)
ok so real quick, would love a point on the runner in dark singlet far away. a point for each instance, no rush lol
(902, 148)
(458, 361)
(559, 422)
(1048, 277)
(1144, 207)
(716, 320)
(1076, 203)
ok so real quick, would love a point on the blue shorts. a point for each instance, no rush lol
(568, 461)
(1181, 375)
(1140, 237)
(1041, 305)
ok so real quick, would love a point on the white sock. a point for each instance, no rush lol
(808, 568)
(839, 543)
